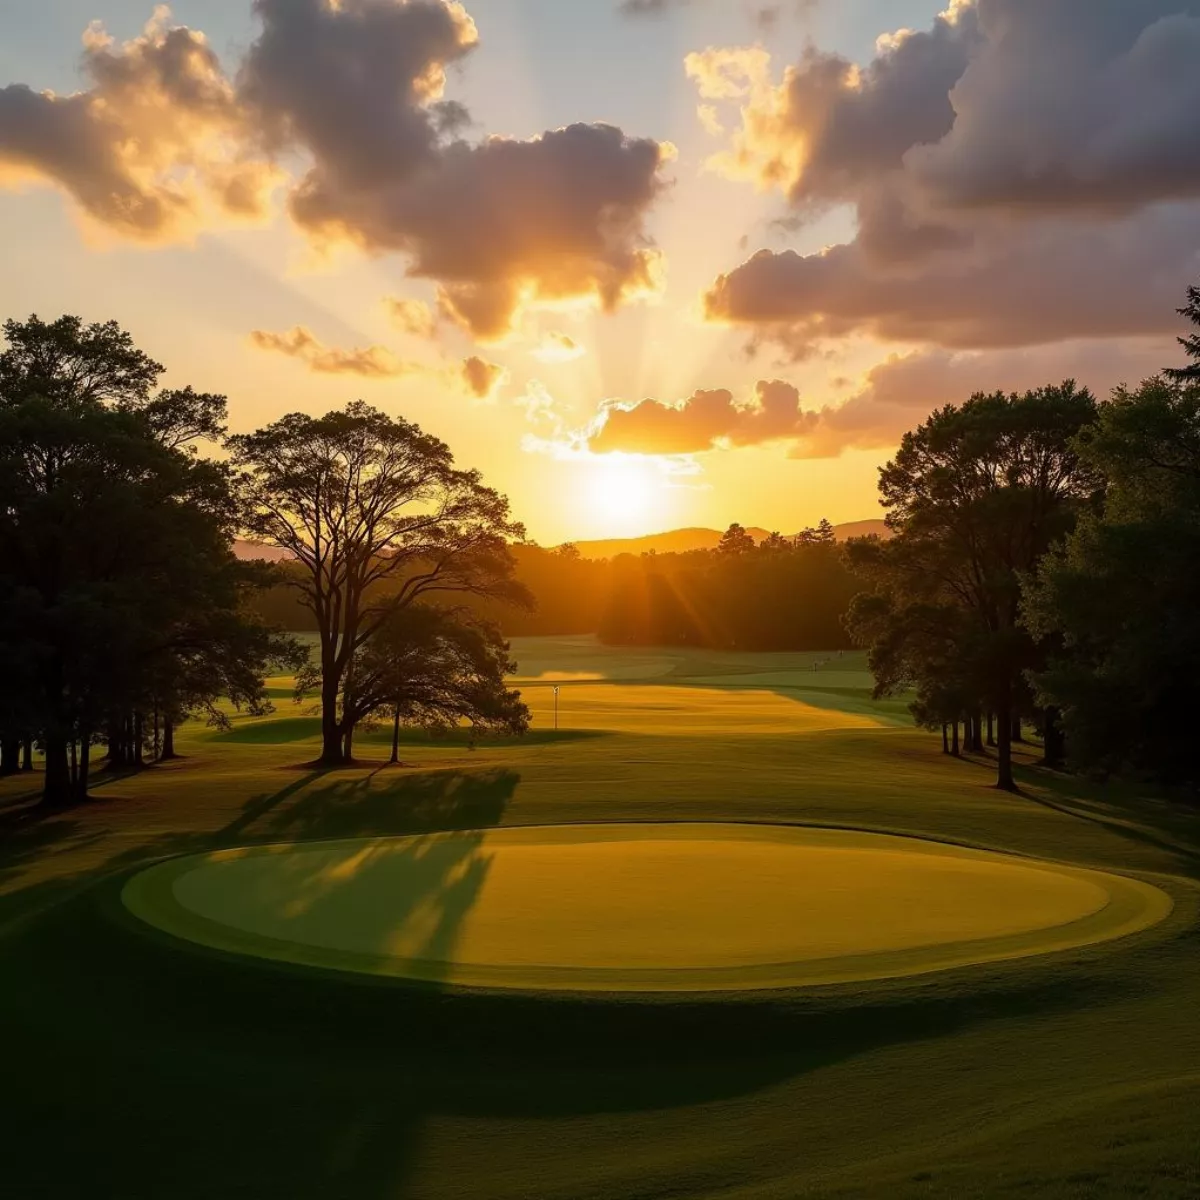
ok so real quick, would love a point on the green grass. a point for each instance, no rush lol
(137, 1068)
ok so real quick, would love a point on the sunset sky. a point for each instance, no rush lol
(647, 265)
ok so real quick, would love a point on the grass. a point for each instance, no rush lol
(135, 1068)
(645, 906)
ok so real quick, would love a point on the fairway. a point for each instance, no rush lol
(652, 907)
(603, 962)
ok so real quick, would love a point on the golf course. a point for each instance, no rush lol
(719, 925)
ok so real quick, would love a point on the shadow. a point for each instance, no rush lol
(1157, 823)
(286, 730)
(382, 804)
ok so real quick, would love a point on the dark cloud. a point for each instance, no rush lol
(1021, 173)
(705, 421)
(1022, 285)
(497, 223)
(352, 90)
(1078, 104)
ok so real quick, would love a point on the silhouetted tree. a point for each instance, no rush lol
(111, 530)
(1190, 343)
(1122, 595)
(976, 496)
(376, 516)
(435, 668)
(735, 540)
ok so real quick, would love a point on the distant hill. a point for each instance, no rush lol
(680, 541)
(854, 529)
(674, 541)
(248, 551)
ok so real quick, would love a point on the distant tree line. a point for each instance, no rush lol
(124, 611)
(785, 593)
(1045, 570)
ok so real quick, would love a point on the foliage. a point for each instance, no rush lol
(376, 516)
(1123, 593)
(434, 668)
(118, 588)
(1191, 343)
(976, 495)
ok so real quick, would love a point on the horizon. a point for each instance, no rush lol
(703, 324)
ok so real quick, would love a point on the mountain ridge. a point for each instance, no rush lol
(671, 541)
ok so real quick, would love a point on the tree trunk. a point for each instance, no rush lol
(954, 749)
(74, 759)
(945, 738)
(112, 739)
(136, 749)
(348, 743)
(10, 756)
(85, 764)
(396, 735)
(975, 732)
(1004, 770)
(168, 740)
(332, 754)
(27, 755)
(1017, 735)
(56, 784)
(1054, 743)
(991, 733)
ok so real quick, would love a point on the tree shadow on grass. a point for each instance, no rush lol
(1120, 809)
(286, 730)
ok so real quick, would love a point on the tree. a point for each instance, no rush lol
(976, 495)
(434, 668)
(1191, 343)
(735, 540)
(114, 537)
(1120, 597)
(377, 517)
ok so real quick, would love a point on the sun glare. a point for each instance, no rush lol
(621, 494)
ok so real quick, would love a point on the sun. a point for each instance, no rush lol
(621, 494)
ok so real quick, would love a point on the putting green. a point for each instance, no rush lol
(637, 907)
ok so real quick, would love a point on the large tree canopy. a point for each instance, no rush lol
(119, 592)
(377, 516)
(1122, 595)
(975, 495)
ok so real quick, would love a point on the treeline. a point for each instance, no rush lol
(1045, 568)
(785, 593)
(782, 594)
(123, 609)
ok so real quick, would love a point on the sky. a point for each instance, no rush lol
(644, 263)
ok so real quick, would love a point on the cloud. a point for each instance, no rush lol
(707, 420)
(649, 8)
(1020, 174)
(1056, 280)
(150, 150)
(499, 224)
(369, 362)
(1078, 105)
(557, 347)
(411, 316)
(899, 393)
(482, 378)
(349, 94)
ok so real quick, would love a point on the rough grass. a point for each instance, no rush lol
(138, 1069)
